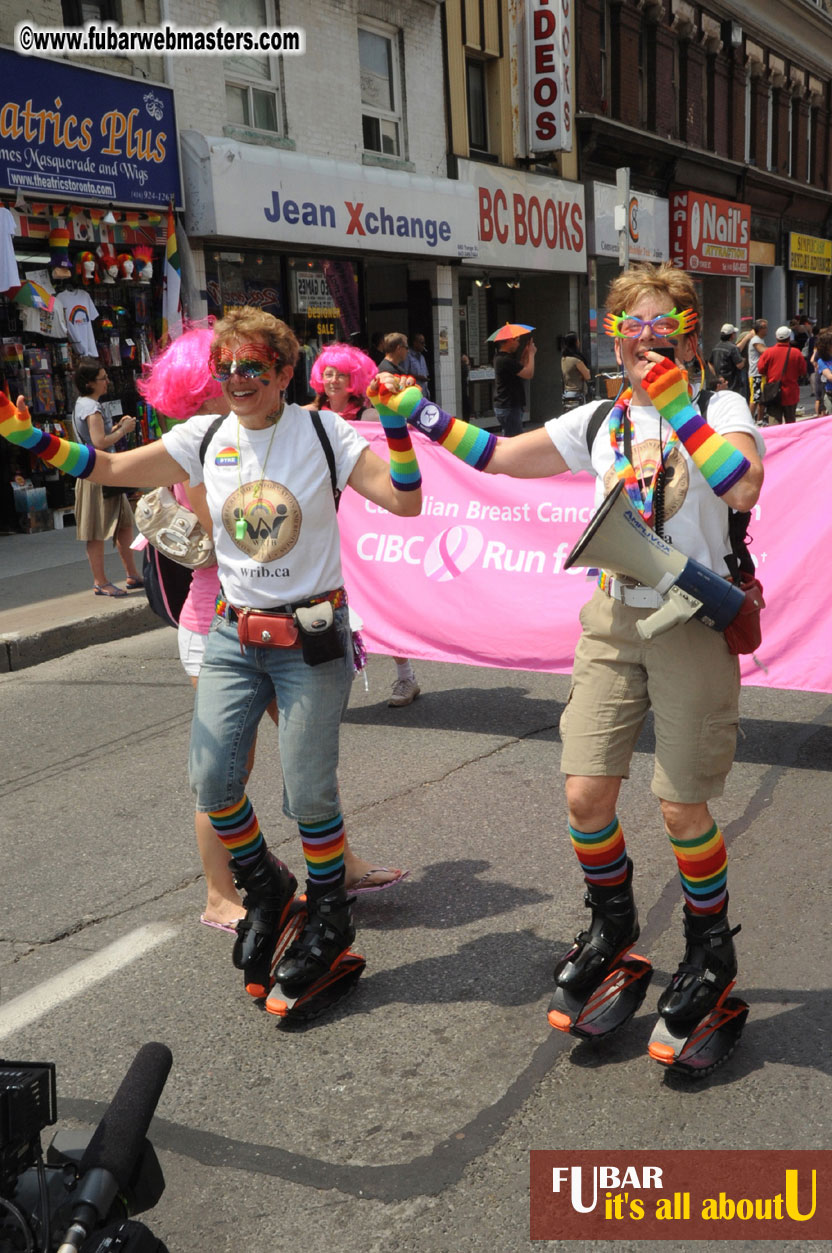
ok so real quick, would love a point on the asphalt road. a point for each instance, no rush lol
(405, 1119)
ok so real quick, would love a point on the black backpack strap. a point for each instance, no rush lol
(596, 422)
(208, 436)
(328, 453)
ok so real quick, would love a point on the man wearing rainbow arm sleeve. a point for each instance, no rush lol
(687, 675)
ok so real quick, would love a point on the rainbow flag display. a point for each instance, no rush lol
(171, 301)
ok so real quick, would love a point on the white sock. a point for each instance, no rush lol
(404, 670)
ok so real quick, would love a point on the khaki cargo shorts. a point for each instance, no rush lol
(686, 676)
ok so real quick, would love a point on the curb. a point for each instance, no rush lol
(18, 651)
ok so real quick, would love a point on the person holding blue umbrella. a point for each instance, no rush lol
(512, 365)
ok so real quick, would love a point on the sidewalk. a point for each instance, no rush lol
(47, 605)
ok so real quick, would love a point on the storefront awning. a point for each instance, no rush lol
(246, 192)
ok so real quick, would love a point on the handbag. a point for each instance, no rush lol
(174, 530)
(262, 628)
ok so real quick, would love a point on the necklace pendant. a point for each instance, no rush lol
(240, 529)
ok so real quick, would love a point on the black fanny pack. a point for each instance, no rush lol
(318, 633)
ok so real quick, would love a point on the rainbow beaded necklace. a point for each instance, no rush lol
(619, 414)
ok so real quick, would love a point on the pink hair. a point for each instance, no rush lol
(179, 381)
(346, 360)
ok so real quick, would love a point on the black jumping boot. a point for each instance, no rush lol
(706, 970)
(328, 933)
(269, 887)
(614, 928)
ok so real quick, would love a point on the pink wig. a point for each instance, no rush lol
(179, 381)
(346, 360)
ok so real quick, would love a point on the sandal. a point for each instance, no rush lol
(365, 884)
(132, 584)
(100, 589)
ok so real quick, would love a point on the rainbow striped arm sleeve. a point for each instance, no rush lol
(721, 464)
(469, 443)
(16, 426)
(404, 468)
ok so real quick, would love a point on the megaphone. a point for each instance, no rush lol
(619, 540)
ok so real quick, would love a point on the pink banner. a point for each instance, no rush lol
(479, 577)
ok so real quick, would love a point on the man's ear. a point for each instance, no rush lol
(616, 343)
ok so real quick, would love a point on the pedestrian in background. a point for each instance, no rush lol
(395, 354)
(416, 366)
(512, 365)
(575, 371)
(753, 344)
(102, 513)
(782, 364)
(727, 359)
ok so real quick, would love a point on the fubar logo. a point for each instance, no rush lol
(679, 1195)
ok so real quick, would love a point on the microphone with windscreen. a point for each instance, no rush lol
(112, 1155)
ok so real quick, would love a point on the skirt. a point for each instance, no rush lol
(97, 518)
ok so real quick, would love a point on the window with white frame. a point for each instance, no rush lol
(381, 108)
(252, 92)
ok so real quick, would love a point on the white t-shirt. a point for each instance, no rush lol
(696, 520)
(9, 276)
(80, 315)
(40, 322)
(291, 547)
(756, 348)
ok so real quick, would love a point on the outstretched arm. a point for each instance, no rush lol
(149, 466)
(528, 456)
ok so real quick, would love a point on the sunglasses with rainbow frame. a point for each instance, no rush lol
(664, 325)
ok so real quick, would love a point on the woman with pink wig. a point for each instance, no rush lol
(180, 385)
(340, 376)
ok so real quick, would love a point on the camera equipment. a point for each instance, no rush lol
(80, 1197)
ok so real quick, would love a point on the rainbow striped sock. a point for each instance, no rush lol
(323, 848)
(602, 854)
(16, 426)
(718, 460)
(703, 869)
(238, 829)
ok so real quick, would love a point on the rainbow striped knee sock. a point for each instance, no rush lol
(703, 869)
(602, 854)
(238, 829)
(323, 848)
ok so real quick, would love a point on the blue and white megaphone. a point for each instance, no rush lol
(620, 541)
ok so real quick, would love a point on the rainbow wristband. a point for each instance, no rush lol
(721, 464)
(404, 468)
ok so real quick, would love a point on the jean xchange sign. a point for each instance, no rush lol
(382, 226)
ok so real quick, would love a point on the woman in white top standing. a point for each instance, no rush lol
(99, 517)
(281, 628)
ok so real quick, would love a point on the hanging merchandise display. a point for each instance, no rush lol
(96, 292)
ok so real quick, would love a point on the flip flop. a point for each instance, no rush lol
(356, 888)
(230, 927)
(100, 589)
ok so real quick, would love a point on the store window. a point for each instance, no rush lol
(323, 299)
(252, 89)
(243, 278)
(381, 109)
(477, 105)
(79, 12)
